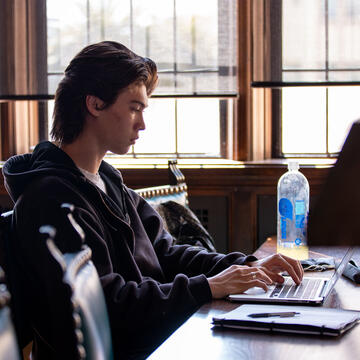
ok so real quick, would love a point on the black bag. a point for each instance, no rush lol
(184, 225)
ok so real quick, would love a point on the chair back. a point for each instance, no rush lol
(89, 312)
(13, 280)
(9, 348)
(176, 190)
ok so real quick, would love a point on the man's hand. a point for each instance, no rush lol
(278, 263)
(239, 278)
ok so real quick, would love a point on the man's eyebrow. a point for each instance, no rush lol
(139, 103)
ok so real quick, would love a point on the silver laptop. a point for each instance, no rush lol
(312, 290)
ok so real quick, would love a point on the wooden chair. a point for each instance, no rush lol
(9, 348)
(80, 278)
(175, 191)
(80, 328)
(8, 262)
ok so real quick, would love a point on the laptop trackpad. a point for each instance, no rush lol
(257, 291)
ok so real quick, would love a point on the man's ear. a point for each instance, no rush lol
(94, 105)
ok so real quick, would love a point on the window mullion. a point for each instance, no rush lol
(176, 127)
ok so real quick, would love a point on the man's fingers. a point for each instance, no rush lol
(258, 283)
(274, 276)
(294, 268)
(279, 263)
(291, 271)
(260, 274)
(237, 279)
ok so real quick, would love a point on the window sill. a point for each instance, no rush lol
(197, 163)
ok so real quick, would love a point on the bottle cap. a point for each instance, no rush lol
(293, 165)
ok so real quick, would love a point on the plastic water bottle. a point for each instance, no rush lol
(293, 209)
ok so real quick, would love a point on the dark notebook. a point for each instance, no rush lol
(307, 320)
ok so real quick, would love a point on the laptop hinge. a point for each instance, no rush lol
(323, 290)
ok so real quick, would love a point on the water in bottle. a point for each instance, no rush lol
(292, 214)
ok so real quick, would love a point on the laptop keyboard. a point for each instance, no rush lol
(306, 290)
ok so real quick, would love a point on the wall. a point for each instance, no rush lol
(240, 199)
(243, 197)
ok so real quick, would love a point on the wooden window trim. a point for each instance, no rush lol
(253, 128)
(242, 119)
(24, 49)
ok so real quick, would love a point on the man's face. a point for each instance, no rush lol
(119, 124)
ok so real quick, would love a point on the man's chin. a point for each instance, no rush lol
(121, 151)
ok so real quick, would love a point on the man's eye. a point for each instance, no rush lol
(137, 109)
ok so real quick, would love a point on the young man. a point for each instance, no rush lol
(150, 286)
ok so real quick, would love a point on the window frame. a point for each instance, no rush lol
(270, 24)
(249, 137)
(224, 117)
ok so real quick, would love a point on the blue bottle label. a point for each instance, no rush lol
(283, 227)
(299, 221)
(285, 208)
(299, 207)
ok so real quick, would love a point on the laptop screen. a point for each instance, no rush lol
(340, 267)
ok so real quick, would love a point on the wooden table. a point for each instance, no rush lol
(197, 339)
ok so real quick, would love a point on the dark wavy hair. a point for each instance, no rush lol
(103, 70)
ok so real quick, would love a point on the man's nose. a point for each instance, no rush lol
(142, 122)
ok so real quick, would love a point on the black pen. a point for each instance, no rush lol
(273, 314)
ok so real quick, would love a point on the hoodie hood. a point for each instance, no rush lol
(46, 160)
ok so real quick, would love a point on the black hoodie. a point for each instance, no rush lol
(150, 286)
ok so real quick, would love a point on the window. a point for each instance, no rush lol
(194, 46)
(332, 51)
(208, 58)
(316, 120)
(312, 43)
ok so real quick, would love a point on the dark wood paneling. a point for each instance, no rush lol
(240, 185)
